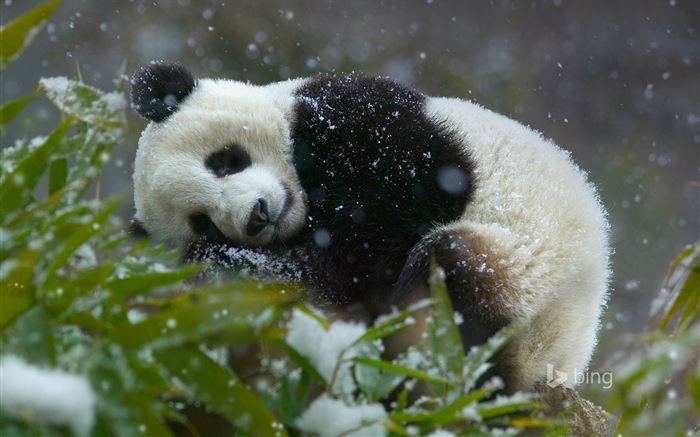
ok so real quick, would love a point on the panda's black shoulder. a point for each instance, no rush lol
(354, 126)
(355, 88)
(352, 97)
(364, 143)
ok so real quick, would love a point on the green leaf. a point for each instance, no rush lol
(694, 389)
(391, 325)
(287, 400)
(122, 404)
(686, 289)
(291, 396)
(377, 384)
(18, 289)
(58, 174)
(505, 406)
(221, 390)
(691, 295)
(447, 414)
(224, 315)
(11, 109)
(79, 235)
(476, 362)
(17, 35)
(144, 283)
(16, 186)
(32, 337)
(395, 368)
(65, 293)
(303, 392)
(443, 333)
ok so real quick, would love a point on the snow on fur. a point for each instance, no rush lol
(46, 395)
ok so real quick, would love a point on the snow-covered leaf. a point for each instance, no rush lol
(85, 102)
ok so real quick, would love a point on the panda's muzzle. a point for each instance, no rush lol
(262, 218)
(259, 218)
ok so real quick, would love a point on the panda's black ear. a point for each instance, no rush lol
(158, 89)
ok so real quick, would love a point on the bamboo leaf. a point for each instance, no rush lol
(146, 282)
(234, 316)
(11, 109)
(121, 404)
(80, 234)
(17, 35)
(16, 185)
(395, 368)
(32, 337)
(503, 407)
(221, 390)
(86, 103)
(58, 174)
(18, 289)
(391, 325)
(686, 289)
(443, 333)
(476, 362)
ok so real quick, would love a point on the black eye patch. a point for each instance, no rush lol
(230, 160)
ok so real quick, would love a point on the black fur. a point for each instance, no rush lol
(136, 230)
(158, 89)
(230, 160)
(370, 160)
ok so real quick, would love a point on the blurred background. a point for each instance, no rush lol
(615, 82)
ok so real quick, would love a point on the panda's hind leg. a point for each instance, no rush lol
(477, 285)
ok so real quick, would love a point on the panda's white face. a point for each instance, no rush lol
(220, 166)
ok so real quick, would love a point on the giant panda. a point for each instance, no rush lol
(353, 184)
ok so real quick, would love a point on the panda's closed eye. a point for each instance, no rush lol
(228, 161)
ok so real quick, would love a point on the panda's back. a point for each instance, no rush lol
(529, 188)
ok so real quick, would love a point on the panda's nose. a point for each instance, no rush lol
(259, 218)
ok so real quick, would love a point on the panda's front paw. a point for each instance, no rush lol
(260, 263)
(216, 254)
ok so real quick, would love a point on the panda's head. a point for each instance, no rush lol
(215, 161)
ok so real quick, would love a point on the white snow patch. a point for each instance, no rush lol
(56, 85)
(46, 395)
(331, 417)
(440, 433)
(114, 101)
(325, 348)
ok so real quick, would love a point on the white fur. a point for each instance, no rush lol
(542, 228)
